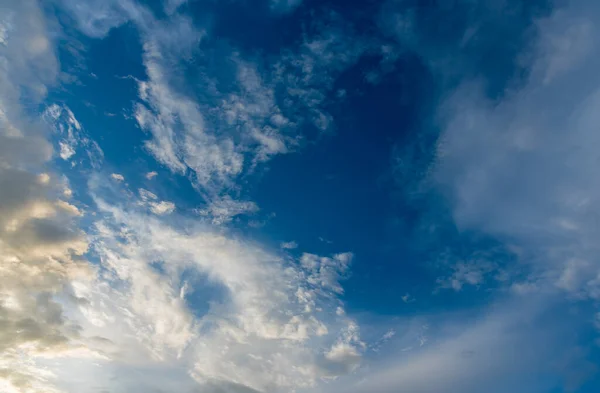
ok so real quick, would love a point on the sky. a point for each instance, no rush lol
(311, 196)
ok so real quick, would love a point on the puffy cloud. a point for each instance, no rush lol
(155, 205)
(117, 177)
(326, 272)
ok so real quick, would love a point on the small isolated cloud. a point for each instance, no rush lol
(151, 175)
(117, 177)
(389, 334)
(223, 210)
(289, 245)
(162, 207)
(155, 205)
(408, 298)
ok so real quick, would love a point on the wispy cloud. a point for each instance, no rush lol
(72, 138)
(522, 169)
(269, 322)
(226, 130)
(289, 245)
(501, 346)
(155, 205)
(516, 166)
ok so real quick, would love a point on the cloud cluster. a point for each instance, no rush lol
(182, 303)
(73, 144)
(233, 313)
(41, 248)
(148, 299)
(244, 111)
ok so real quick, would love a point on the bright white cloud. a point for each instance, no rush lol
(72, 137)
(117, 177)
(271, 326)
(155, 205)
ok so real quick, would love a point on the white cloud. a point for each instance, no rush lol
(389, 334)
(72, 137)
(40, 246)
(155, 205)
(327, 272)
(163, 207)
(214, 136)
(257, 332)
(137, 317)
(223, 210)
(96, 18)
(344, 356)
(523, 169)
(502, 350)
(118, 177)
(520, 169)
(289, 245)
(151, 175)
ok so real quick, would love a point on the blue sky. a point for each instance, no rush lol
(273, 196)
